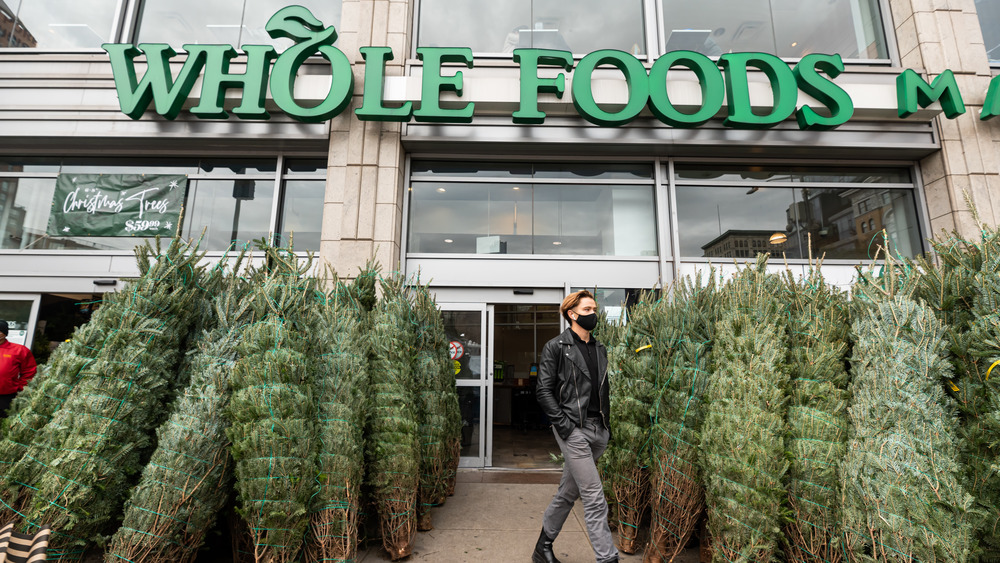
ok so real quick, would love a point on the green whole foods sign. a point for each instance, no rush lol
(116, 205)
(722, 83)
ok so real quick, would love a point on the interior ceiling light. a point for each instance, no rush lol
(516, 188)
(778, 238)
(442, 190)
(557, 243)
(448, 240)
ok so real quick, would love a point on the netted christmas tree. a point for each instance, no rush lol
(441, 422)
(341, 394)
(33, 407)
(393, 444)
(273, 411)
(82, 463)
(960, 287)
(901, 493)
(743, 437)
(817, 416)
(631, 374)
(188, 479)
(682, 346)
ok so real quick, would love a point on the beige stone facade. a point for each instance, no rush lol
(363, 211)
(935, 35)
(362, 215)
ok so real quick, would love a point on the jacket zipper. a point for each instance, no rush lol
(600, 385)
(579, 407)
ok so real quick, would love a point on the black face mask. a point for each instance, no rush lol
(587, 322)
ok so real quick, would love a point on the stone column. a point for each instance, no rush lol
(936, 35)
(362, 213)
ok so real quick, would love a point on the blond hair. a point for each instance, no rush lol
(572, 300)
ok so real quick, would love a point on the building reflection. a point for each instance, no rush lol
(12, 32)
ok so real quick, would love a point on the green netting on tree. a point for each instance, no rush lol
(440, 422)
(81, 464)
(631, 375)
(393, 442)
(817, 416)
(188, 479)
(682, 346)
(901, 490)
(33, 407)
(961, 288)
(743, 437)
(273, 410)
(341, 394)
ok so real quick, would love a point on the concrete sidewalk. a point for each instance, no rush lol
(496, 516)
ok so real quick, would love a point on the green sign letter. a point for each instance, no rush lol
(783, 86)
(991, 107)
(433, 84)
(713, 90)
(217, 80)
(298, 24)
(157, 85)
(825, 91)
(913, 92)
(371, 106)
(635, 77)
(532, 84)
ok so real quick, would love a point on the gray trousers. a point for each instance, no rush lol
(580, 479)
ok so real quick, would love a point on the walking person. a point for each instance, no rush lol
(573, 391)
(17, 367)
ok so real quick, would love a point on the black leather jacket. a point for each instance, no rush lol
(564, 384)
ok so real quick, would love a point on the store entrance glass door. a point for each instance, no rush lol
(469, 328)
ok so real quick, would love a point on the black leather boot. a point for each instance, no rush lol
(543, 550)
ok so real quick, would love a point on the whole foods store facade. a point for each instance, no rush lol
(507, 153)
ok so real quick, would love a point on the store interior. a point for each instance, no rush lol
(522, 438)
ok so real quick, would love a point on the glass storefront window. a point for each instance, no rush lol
(786, 28)
(989, 22)
(740, 222)
(516, 218)
(57, 24)
(228, 22)
(25, 205)
(302, 213)
(500, 27)
(229, 211)
(231, 200)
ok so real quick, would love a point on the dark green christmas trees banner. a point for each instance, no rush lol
(116, 205)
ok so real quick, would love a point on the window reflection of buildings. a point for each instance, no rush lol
(12, 32)
(735, 243)
(837, 224)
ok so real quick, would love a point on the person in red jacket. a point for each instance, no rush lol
(17, 367)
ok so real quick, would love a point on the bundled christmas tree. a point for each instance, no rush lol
(81, 464)
(632, 374)
(960, 287)
(682, 345)
(440, 423)
(394, 448)
(273, 412)
(817, 416)
(341, 394)
(188, 479)
(900, 485)
(33, 407)
(743, 447)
